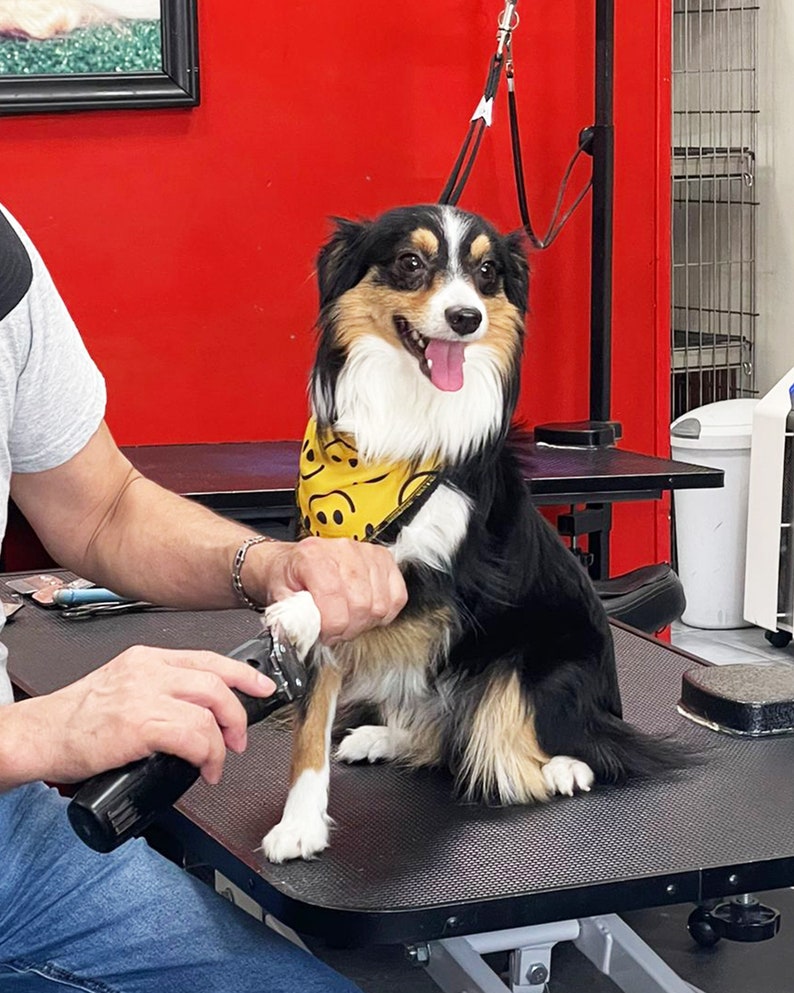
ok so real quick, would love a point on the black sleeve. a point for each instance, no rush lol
(16, 271)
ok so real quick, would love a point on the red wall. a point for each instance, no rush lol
(183, 241)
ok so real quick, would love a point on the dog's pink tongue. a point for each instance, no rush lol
(446, 364)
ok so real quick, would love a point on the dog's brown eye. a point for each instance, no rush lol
(487, 276)
(410, 262)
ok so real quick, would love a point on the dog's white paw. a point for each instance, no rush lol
(565, 775)
(298, 618)
(371, 743)
(293, 839)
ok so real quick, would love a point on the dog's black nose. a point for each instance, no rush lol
(463, 320)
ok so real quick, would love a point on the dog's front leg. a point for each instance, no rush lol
(304, 826)
(303, 829)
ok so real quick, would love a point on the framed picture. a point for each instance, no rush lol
(61, 55)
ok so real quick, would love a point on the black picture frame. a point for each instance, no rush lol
(177, 85)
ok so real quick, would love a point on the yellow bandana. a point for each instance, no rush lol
(339, 496)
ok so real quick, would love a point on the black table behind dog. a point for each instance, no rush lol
(408, 863)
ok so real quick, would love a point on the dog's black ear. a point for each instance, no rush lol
(516, 270)
(340, 264)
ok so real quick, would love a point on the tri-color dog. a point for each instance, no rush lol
(500, 668)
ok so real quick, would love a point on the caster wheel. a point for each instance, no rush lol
(778, 639)
(701, 926)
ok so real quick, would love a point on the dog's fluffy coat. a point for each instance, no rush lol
(500, 668)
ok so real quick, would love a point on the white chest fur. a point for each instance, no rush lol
(435, 534)
(396, 413)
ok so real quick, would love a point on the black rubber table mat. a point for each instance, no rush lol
(407, 862)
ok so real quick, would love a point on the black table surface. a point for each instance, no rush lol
(409, 863)
(265, 471)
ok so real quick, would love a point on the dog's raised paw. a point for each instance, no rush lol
(290, 839)
(298, 618)
(371, 743)
(566, 775)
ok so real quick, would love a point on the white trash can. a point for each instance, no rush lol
(711, 524)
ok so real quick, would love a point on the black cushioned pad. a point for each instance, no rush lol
(407, 862)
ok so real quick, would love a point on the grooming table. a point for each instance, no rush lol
(408, 864)
(262, 474)
(255, 481)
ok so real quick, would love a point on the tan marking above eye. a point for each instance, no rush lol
(480, 247)
(425, 241)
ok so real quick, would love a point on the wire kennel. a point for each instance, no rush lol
(714, 204)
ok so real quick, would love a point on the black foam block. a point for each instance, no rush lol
(754, 700)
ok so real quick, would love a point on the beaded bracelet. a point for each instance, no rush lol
(237, 568)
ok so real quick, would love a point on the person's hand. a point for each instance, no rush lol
(356, 585)
(145, 700)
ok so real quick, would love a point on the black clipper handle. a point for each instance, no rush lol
(114, 806)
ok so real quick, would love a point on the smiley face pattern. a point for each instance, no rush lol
(339, 496)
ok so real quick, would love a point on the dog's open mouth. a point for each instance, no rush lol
(441, 361)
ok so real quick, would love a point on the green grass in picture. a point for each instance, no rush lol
(128, 46)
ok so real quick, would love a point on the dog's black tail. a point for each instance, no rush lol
(617, 752)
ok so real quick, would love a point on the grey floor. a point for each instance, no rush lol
(729, 967)
(729, 646)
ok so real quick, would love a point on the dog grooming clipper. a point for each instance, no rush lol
(114, 806)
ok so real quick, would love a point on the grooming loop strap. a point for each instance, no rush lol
(482, 119)
(483, 113)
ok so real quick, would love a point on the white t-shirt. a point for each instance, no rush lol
(52, 396)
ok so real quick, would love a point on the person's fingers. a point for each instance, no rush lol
(318, 565)
(398, 594)
(201, 678)
(355, 586)
(143, 701)
(207, 689)
(357, 574)
(234, 673)
(389, 594)
(375, 596)
(190, 732)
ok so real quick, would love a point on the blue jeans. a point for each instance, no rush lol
(128, 922)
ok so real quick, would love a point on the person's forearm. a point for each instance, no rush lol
(158, 546)
(98, 516)
(23, 745)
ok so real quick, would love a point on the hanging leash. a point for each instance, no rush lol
(483, 114)
(502, 61)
